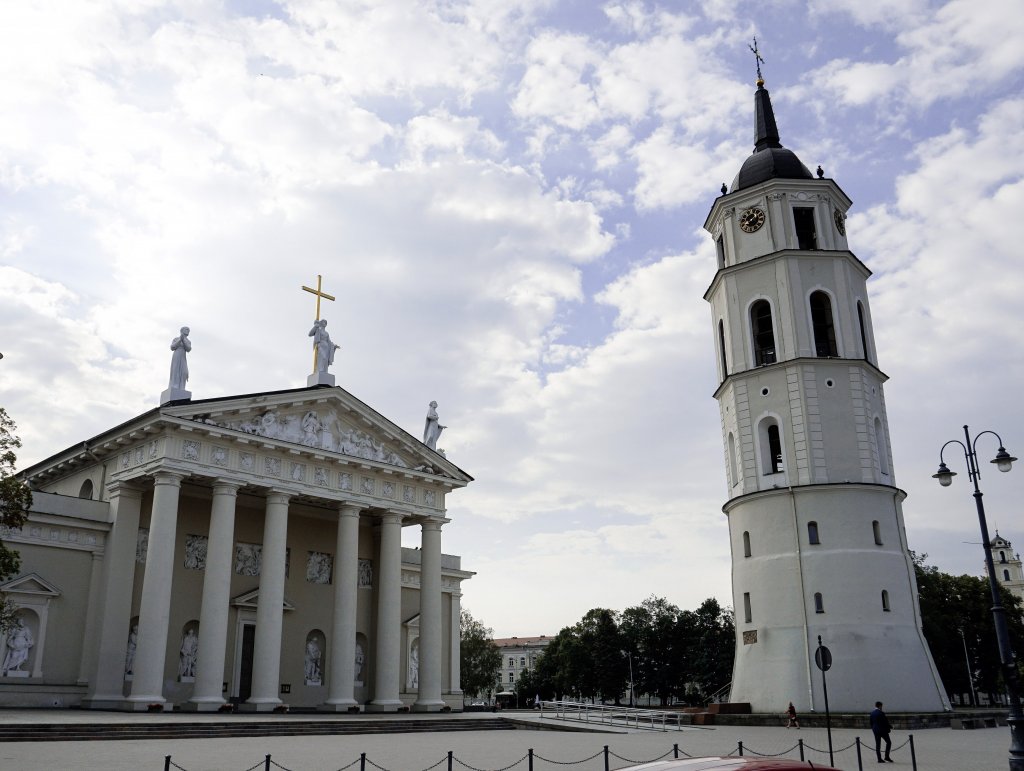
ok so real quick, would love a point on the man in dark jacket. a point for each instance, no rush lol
(880, 728)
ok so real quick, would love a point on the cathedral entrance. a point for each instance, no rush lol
(245, 643)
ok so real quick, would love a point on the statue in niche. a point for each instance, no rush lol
(360, 658)
(432, 428)
(133, 644)
(324, 347)
(312, 667)
(188, 654)
(19, 642)
(414, 664)
(365, 574)
(311, 429)
(180, 346)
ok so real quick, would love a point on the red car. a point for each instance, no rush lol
(731, 764)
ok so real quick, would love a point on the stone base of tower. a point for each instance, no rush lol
(828, 560)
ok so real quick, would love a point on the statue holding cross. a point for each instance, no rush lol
(323, 348)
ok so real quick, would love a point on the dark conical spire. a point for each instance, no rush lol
(766, 133)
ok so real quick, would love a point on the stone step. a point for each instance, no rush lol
(33, 732)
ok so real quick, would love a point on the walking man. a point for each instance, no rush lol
(880, 728)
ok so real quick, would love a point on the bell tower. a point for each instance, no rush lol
(815, 520)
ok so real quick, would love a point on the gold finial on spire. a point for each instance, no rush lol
(759, 60)
(319, 293)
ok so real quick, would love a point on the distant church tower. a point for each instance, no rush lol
(815, 520)
(1009, 570)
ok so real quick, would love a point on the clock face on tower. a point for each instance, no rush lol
(840, 222)
(751, 219)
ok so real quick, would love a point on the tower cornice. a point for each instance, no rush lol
(783, 254)
(753, 192)
(730, 504)
(732, 377)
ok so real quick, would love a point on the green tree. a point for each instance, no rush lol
(652, 635)
(604, 668)
(15, 500)
(479, 657)
(956, 611)
(712, 648)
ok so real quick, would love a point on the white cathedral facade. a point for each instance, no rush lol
(815, 521)
(239, 551)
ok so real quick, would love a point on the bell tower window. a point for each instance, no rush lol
(823, 326)
(771, 446)
(720, 246)
(863, 332)
(721, 349)
(812, 533)
(806, 234)
(763, 334)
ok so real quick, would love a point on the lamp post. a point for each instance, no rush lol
(1003, 461)
(970, 674)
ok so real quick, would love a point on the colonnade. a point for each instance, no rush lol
(106, 682)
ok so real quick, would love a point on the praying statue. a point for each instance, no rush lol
(312, 663)
(432, 428)
(181, 345)
(19, 641)
(324, 347)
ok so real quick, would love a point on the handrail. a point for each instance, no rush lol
(629, 717)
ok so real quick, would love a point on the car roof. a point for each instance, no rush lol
(734, 763)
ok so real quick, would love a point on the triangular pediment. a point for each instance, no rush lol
(328, 421)
(31, 583)
(413, 622)
(251, 600)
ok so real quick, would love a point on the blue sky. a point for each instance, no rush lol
(507, 198)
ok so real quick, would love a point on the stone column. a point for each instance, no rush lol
(341, 690)
(388, 643)
(207, 695)
(155, 608)
(106, 681)
(92, 618)
(455, 686)
(429, 697)
(266, 664)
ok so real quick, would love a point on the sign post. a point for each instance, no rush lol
(823, 658)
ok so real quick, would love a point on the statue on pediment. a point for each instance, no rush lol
(324, 347)
(432, 428)
(180, 346)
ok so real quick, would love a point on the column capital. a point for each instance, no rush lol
(225, 486)
(349, 509)
(124, 487)
(392, 517)
(173, 478)
(434, 524)
(275, 495)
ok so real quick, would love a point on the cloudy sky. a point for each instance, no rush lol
(506, 197)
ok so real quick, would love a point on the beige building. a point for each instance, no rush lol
(240, 550)
(518, 655)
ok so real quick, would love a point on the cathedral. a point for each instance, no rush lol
(241, 552)
(818, 544)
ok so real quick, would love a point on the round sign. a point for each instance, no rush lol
(823, 658)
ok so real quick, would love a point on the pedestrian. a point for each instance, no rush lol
(880, 728)
(793, 722)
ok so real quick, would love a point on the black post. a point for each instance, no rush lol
(913, 755)
(529, 753)
(266, 763)
(167, 763)
(606, 757)
(828, 715)
(362, 761)
(860, 762)
(739, 748)
(800, 742)
(675, 751)
(450, 761)
(1006, 658)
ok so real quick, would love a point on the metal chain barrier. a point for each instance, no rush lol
(172, 763)
(770, 754)
(561, 762)
(511, 765)
(435, 765)
(348, 766)
(371, 763)
(275, 763)
(637, 762)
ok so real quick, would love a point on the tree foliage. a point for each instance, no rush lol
(479, 658)
(952, 606)
(672, 654)
(15, 499)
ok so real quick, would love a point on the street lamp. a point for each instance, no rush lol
(1004, 461)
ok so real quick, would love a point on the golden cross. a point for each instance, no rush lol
(318, 294)
(758, 59)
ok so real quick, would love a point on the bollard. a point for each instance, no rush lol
(266, 763)
(913, 755)
(800, 742)
(167, 763)
(362, 761)
(675, 751)
(606, 757)
(449, 760)
(739, 749)
(860, 763)
(529, 752)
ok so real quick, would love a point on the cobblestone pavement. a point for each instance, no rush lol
(936, 749)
